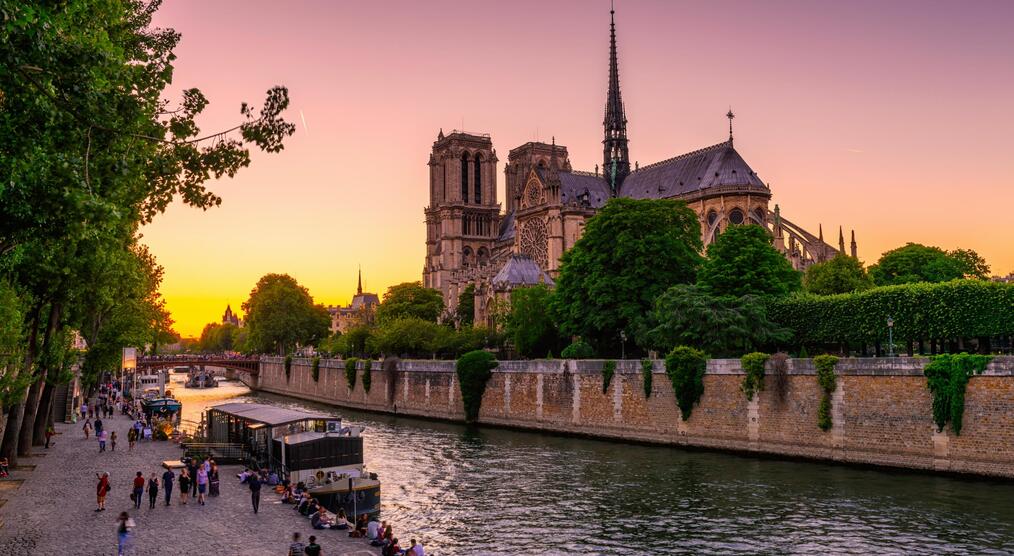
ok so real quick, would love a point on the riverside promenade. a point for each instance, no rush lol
(50, 502)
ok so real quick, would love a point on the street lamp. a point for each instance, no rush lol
(623, 344)
(890, 336)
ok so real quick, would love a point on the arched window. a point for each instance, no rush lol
(478, 179)
(760, 214)
(466, 256)
(736, 216)
(712, 217)
(464, 177)
(483, 256)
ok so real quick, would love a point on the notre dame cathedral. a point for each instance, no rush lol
(469, 241)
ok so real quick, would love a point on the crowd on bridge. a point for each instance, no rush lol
(172, 357)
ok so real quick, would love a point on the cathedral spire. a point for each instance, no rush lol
(841, 241)
(616, 160)
(359, 288)
(855, 253)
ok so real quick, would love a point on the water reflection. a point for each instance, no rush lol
(466, 491)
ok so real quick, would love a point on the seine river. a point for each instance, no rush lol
(466, 492)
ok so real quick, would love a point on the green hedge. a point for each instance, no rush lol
(753, 365)
(350, 372)
(315, 369)
(828, 381)
(367, 379)
(685, 367)
(473, 369)
(947, 376)
(922, 311)
(578, 350)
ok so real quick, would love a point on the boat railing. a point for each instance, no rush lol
(222, 452)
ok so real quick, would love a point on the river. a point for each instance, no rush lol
(469, 491)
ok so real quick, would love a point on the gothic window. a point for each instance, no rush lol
(534, 241)
(466, 256)
(759, 214)
(532, 194)
(464, 177)
(482, 256)
(477, 177)
(736, 216)
(712, 217)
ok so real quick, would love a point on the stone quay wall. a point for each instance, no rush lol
(881, 409)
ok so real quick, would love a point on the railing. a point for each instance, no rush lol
(218, 450)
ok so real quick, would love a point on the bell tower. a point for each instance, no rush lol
(615, 158)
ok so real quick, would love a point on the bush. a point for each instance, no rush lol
(578, 350)
(828, 381)
(473, 369)
(608, 370)
(947, 376)
(315, 369)
(288, 367)
(646, 374)
(367, 379)
(753, 365)
(685, 367)
(350, 372)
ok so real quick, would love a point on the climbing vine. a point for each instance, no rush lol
(947, 376)
(315, 369)
(753, 366)
(350, 372)
(367, 379)
(608, 370)
(288, 367)
(473, 369)
(646, 370)
(828, 381)
(685, 367)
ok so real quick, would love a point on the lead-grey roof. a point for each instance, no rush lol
(364, 301)
(715, 166)
(507, 227)
(267, 414)
(583, 189)
(521, 270)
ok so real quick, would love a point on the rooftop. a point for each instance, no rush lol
(268, 414)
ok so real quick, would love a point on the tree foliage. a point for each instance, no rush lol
(473, 370)
(281, 315)
(529, 324)
(685, 367)
(842, 274)
(631, 251)
(410, 300)
(742, 261)
(947, 377)
(466, 306)
(218, 337)
(578, 350)
(914, 262)
(753, 367)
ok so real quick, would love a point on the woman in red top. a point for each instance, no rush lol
(100, 491)
(138, 490)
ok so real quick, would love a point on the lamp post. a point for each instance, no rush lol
(623, 344)
(890, 336)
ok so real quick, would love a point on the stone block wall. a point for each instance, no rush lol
(881, 409)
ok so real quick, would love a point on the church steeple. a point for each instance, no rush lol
(615, 158)
(359, 288)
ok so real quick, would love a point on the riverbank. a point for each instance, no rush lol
(881, 409)
(49, 504)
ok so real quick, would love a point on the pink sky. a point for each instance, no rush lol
(893, 118)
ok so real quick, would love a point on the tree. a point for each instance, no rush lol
(631, 252)
(356, 341)
(723, 326)
(466, 306)
(919, 263)
(412, 337)
(410, 299)
(218, 337)
(842, 274)
(281, 315)
(742, 261)
(530, 325)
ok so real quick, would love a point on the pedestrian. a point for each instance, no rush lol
(192, 469)
(100, 491)
(152, 491)
(112, 440)
(123, 527)
(213, 483)
(312, 549)
(167, 484)
(202, 484)
(254, 482)
(84, 410)
(138, 490)
(87, 428)
(297, 547)
(184, 485)
(131, 439)
(101, 435)
(98, 425)
(50, 432)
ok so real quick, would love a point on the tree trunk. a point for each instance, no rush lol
(27, 432)
(13, 414)
(44, 416)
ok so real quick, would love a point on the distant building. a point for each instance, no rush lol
(361, 310)
(231, 318)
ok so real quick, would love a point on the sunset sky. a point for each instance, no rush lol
(892, 118)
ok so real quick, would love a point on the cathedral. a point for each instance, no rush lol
(471, 241)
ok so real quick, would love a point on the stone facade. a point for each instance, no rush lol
(881, 409)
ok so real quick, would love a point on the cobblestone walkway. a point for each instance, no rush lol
(53, 510)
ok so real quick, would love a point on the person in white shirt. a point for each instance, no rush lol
(372, 529)
(415, 549)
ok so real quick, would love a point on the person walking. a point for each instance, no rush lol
(138, 489)
(202, 484)
(98, 425)
(167, 484)
(131, 439)
(254, 482)
(124, 525)
(102, 440)
(87, 428)
(312, 549)
(50, 432)
(152, 491)
(184, 485)
(296, 547)
(192, 469)
(101, 489)
(112, 441)
(84, 410)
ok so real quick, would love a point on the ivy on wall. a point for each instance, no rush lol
(608, 370)
(350, 372)
(685, 367)
(367, 378)
(288, 367)
(315, 369)
(753, 366)
(473, 369)
(646, 373)
(828, 381)
(947, 376)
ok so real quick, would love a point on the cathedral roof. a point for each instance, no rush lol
(583, 188)
(364, 301)
(521, 270)
(507, 227)
(715, 166)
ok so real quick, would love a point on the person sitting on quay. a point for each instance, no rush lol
(415, 549)
(341, 521)
(319, 520)
(242, 476)
(391, 548)
(386, 535)
(374, 529)
(361, 525)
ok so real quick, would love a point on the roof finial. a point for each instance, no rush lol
(730, 115)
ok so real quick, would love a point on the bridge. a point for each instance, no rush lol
(235, 366)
